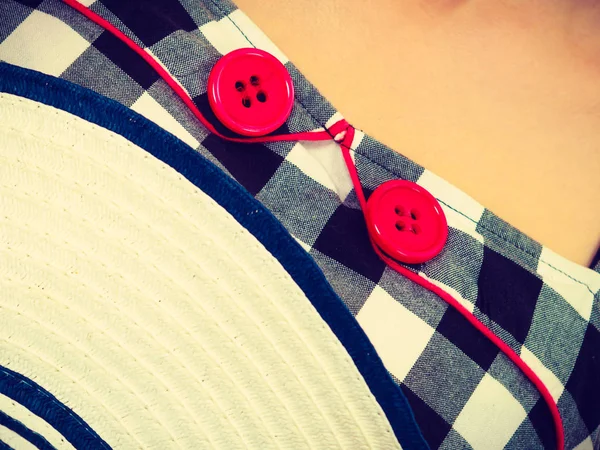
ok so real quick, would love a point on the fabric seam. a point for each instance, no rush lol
(523, 250)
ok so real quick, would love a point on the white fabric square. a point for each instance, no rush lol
(151, 109)
(453, 292)
(323, 162)
(458, 221)
(358, 137)
(491, 408)
(226, 37)
(576, 288)
(223, 35)
(550, 380)
(585, 445)
(43, 43)
(398, 335)
(305, 246)
(337, 116)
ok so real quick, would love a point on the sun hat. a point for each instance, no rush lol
(148, 301)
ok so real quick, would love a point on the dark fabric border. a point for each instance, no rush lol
(245, 209)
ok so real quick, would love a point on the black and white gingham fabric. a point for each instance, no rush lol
(463, 391)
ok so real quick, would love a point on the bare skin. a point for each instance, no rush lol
(501, 98)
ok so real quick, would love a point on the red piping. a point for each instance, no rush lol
(183, 95)
(346, 144)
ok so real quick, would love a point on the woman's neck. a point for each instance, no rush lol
(501, 98)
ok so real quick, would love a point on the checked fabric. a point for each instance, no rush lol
(463, 391)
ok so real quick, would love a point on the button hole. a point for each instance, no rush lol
(416, 229)
(414, 214)
(400, 226)
(240, 86)
(246, 102)
(254, 80)
(261, 97)
(399, 210)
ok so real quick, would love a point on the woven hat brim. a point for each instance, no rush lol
(144, 306)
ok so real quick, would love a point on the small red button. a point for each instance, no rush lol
(250, 92)
(406, 221)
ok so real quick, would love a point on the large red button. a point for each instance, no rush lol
(406, 221)
(250, 92)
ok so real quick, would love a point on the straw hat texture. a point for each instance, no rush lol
(140, 313)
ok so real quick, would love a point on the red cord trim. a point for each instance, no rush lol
(504, 348)
(346, 145)
(322, 135)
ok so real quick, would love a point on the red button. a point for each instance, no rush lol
(406, 221)
(250, 92)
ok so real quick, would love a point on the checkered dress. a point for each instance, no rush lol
(463, 391)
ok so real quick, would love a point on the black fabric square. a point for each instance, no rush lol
(126, 59)
(434, 428)
(252, 165)
(153, 20)
(584, 383)
(542, 422)
(507, 293)
(31, 3)
(345, 239)
(464, 335)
